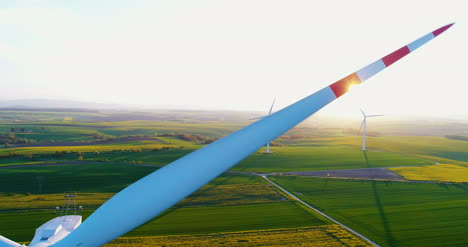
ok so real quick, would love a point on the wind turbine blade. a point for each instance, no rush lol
(374, 116)
(153, 194)
(360, 128)
(5, 242)
(271, 108)
(363, 113)
(255, 118)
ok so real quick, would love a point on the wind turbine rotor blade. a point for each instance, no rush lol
(360, 128)
(271, 108)
(153, 194)
(363, 113)
(5, 242)
(374, 116)
(255, 118)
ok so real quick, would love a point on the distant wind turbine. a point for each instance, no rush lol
(364, 128)
(267, 151)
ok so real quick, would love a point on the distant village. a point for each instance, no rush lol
(20, 130)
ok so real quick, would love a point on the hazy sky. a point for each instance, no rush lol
(234, 54)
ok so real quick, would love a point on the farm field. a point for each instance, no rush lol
(51, 179)
(197, 220)
(325, 235)
(441, 173)
(326, 157)
(229, 203)
(431, 147)
(283, 159)
(390, 213)
(98, 159)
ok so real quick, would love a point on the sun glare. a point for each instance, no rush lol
(352, 85)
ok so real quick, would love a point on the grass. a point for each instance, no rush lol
(233, 194)
(229, 203)
(26, 163)
(98, 177)
(441, 173)
(427, 146)
(159, 158)
(215, 130)
(390, 213)
(23, 202)
(328, 157)
(50, 133)
(199, 220)
(327, 235)
(90, 148)
(94, 177)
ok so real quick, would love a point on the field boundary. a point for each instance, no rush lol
(318, 211)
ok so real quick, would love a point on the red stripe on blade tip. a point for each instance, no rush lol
(441, 30)
(395, 56)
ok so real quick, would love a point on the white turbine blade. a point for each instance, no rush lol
(255, 118)
(363, 113)
(374, 116)
(5, 242)
(158, 191)
(271, 108)
(360, 128)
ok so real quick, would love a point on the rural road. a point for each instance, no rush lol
(318, 211)
(362, 173)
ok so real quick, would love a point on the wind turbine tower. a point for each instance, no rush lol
(364, 128)
(267, 151)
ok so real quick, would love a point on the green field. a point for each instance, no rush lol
(318, 236)
(196, 220)
(423, 146)
(390, 213)
(160, 158)
(326, 157)
(51, 133)
(20, 225)
(229, 203)
(283, 159)
(95, 177)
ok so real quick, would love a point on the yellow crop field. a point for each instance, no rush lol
(49, 201)
(441, 172)
(90, 148)
(25, 163)
(319, 236)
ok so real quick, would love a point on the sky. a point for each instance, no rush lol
(235, 55)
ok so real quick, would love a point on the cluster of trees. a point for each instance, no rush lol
(458, 138)
(164, 148)
(190, 137)
(292, 137)
(100, 137)
(276, 144)
(14, 154)
(10, 138)
(21, 130)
